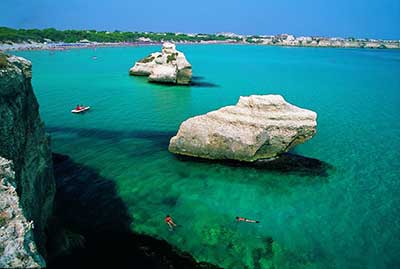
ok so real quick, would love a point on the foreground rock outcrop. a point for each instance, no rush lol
(24, 142)
(167, 66)
(17, 246)
(257, 127)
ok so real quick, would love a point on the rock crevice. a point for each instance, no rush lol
(17, 246)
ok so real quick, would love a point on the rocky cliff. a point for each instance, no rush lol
(167, 66)
(17, 246)
(24, 142)
(257, 127)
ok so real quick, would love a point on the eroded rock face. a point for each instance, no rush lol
(23, 141)
(169, 66)
(257, 127)
(17, 246)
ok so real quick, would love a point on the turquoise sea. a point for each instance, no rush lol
(346, 218)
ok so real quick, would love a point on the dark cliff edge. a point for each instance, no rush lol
(23, 141)
(72, 220)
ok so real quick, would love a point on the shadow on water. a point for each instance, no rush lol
(159, 139)
(287, 163)
(197, 81)
(88, 204)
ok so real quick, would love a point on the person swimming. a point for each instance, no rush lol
(239, 219)
(170, 222)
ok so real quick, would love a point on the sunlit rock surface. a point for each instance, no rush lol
(169, 66)
(17, 246)
(257, 127)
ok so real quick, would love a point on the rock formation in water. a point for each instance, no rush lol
(24, 142)
(167, 66)
(17, 246)
(27, 189)
(257, 127)
(90, 204)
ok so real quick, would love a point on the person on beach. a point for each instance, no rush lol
(239, 219)
(170, 222)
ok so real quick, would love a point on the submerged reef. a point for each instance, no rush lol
(89, 205)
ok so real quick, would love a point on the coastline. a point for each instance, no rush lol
(36, 46)
(66, 46)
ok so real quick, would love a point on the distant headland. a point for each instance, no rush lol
(53, 39)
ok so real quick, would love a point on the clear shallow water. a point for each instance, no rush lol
(349, 219)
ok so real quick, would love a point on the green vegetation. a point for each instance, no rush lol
(147, 59)
(171, 57)
(71, 36)
(253, 39)
(3, 64)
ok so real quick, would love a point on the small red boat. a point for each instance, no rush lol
(80, 109)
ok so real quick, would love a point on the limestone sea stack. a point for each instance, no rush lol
(257, 127)
(167, 66)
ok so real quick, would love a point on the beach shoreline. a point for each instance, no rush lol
(66, 46)
(37, 46)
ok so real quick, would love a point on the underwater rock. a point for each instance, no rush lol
(89, 204)
(23, 141)
(257, 127)
(169, 66)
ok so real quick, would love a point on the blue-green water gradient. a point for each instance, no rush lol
(349, 219)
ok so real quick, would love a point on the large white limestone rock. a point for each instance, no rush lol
(257, 127)
(169, 66)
